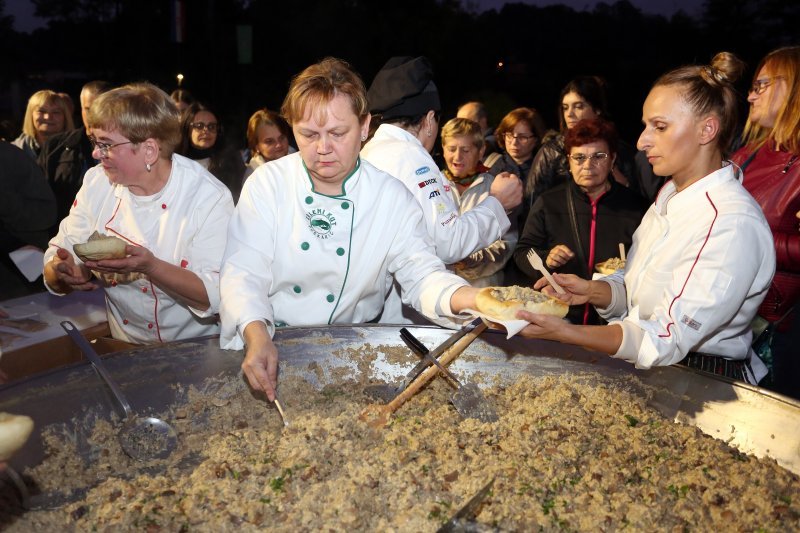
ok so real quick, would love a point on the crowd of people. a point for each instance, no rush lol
(335, 211)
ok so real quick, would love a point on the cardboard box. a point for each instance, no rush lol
(57, 352)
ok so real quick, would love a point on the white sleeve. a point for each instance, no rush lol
(81, 221)
(247, 265)
(454, 236)
(425, 282)
(208, 245)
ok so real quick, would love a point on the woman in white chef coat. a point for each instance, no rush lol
(405, 97)
(702, 259)
(319, 236)
(171, 211)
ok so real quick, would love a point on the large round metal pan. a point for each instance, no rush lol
(752, 419)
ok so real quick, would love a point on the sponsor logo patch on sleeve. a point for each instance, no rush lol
(422, 170)
(692, 323)
(423, 184)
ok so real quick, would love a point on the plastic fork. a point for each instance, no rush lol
(536, 262)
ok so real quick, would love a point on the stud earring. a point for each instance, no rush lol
(363, 138)
(148, 167)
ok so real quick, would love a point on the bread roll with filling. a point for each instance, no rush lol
(502, 303)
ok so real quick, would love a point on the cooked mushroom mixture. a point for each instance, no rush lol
(567, 453)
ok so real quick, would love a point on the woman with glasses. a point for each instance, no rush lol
(47, 114)
(701, 260)
(518, 137)
(267, 137)
(770, 160)
(404, 98)
(171, 212)
(577, 224)
(203, 140)
(319, 236)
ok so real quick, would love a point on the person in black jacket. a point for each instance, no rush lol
(67, 156)
(578, 224)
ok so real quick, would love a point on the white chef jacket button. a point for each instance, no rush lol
(309, 200)
(340, 251)
(345, 205)
(150, 325)
(305, 246)
(297, 289)
(330, 298)
(125, 321)
(163, 206)
(144, 289)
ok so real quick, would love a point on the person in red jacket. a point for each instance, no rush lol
(770, 159)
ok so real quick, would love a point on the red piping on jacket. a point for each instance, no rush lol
(152, 288)
(592, 243)
(113, 216)
(696, 259)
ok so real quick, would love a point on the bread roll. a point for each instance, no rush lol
(100, 247)
(14, 431)
(610, 266)
(502, 303)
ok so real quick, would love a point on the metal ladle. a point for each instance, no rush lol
(141, 438)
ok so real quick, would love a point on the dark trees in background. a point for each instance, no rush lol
(540, 48)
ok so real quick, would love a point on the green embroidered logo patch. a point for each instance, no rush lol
(321, 223)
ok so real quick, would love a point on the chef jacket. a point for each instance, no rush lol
(184, 224)
(484, 268)
(299, 257)
(455, 236)
(400, 154)
(700, 265)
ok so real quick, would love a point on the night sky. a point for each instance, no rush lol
(22, 10)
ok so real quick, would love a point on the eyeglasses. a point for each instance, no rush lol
(759, 86)
(200, 126)
(104, 148)
(518, 136)
(580, 159)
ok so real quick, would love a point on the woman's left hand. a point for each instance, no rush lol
(542, 326)
(139, 259)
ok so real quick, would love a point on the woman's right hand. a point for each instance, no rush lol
(260, 363)
(577, 289)
(559, 256)
(63, 275)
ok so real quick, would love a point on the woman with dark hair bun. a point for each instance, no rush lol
(577, 224)
(701, 260)
(203, 140)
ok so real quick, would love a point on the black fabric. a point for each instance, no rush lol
(65, 158)
(404, 88)
(619, 212)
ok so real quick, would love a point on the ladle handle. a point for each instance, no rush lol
(92, 356)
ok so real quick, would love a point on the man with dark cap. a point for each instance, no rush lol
(404, 98)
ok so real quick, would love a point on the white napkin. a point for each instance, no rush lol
(512, 326)
(29, 261)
